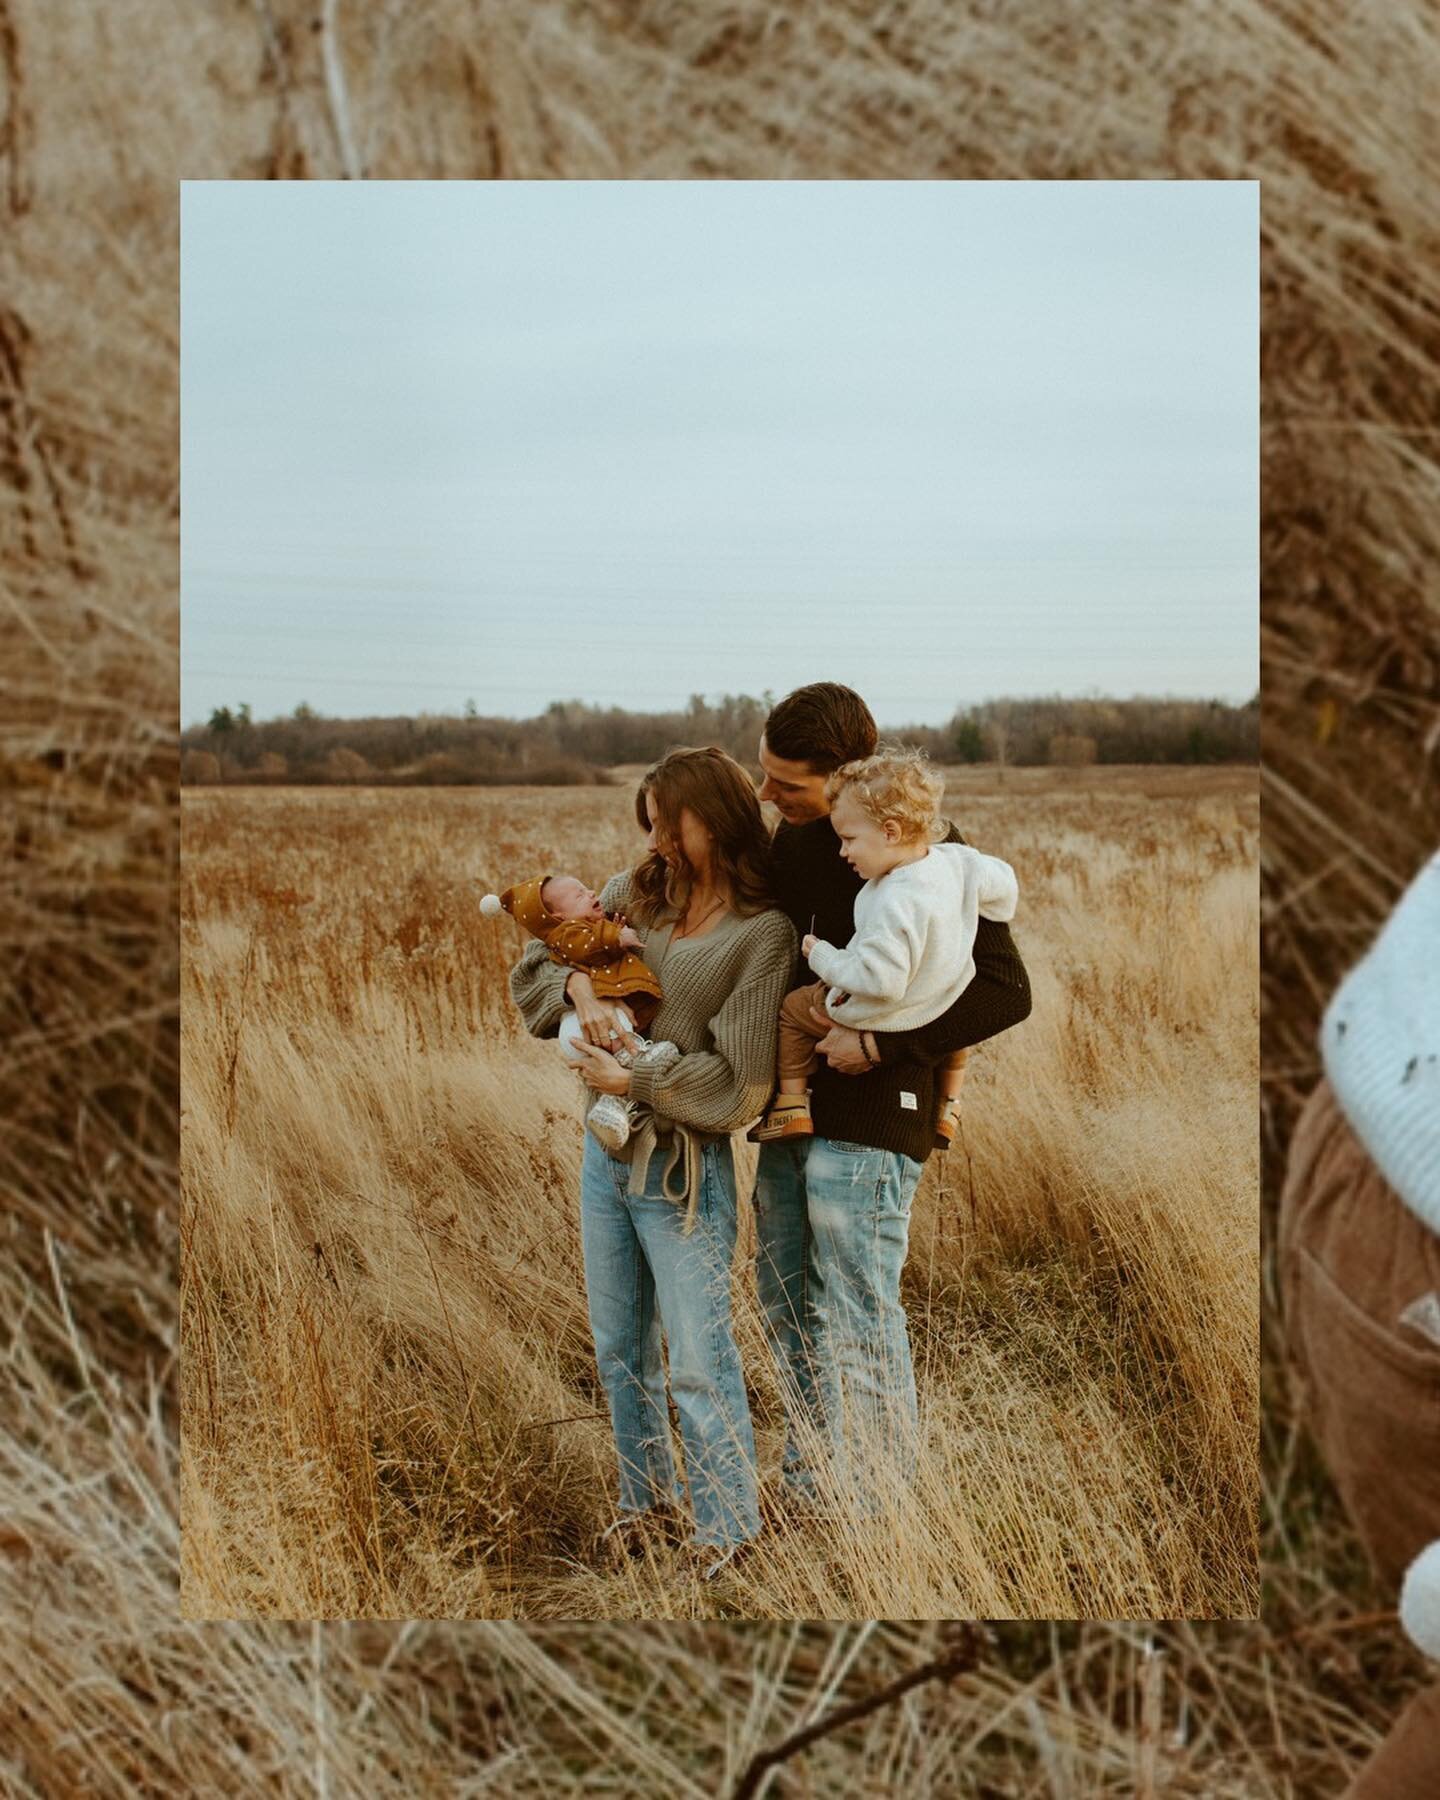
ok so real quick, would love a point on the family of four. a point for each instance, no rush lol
(826, 983)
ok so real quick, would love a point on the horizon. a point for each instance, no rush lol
(318, 714)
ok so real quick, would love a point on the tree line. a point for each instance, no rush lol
(574, 742)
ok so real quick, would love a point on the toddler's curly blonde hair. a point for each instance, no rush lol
(894, 783)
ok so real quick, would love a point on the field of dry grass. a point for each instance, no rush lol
(101, 109)
(383, 1299)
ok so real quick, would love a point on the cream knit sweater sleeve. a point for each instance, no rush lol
(1381, 1045)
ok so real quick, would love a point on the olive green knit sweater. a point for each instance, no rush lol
(720, 1006)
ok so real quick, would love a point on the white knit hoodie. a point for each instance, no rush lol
(1381, 1045)
(912, 954)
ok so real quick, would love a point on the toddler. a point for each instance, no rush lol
(570, 921)
(912, 952)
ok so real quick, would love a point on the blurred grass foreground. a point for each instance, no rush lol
(108, 1689)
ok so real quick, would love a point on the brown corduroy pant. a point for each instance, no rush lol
(1352, 1259)
(800, 1033)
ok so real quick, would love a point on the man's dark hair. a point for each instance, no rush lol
(823, 725)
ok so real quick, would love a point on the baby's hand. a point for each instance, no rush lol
(629, 937)
(808, 943)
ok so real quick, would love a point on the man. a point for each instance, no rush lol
(833, 1210)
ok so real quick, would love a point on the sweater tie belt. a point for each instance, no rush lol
(685, 1146)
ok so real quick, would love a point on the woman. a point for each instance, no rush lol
(1360, 1275)
(658, 1219)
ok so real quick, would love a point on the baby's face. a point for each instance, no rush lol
(568, 898)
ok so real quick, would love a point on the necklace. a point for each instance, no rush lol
(684, 930)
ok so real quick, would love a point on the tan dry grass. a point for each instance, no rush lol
(384, 1292)
(1330, 105)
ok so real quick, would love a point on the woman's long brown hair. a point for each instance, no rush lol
(722, 797)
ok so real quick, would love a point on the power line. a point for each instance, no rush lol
(955, 565)
(471, 690)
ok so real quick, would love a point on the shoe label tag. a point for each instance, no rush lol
(908, 1102)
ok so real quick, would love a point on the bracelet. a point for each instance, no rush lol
(874, 1061)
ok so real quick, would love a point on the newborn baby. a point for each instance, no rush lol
(569, 920)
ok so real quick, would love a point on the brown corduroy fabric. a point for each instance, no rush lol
(799, 1033)
(1352, 1259)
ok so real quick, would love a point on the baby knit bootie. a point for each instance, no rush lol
(659, 1057)
(1420, 1601)
(610, 1123)
(612, 1120)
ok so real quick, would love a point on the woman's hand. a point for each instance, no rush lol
(601, 1071)
(602, 1025)
(807, 944)
(594, 1017)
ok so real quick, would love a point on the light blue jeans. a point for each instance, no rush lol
(832, 1234)
(642, 1274)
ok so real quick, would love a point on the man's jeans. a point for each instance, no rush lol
(833, 1229)
(642, 1272)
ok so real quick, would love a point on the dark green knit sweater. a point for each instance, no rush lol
(892, 1107)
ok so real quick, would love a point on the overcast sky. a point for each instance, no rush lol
(629, 441)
